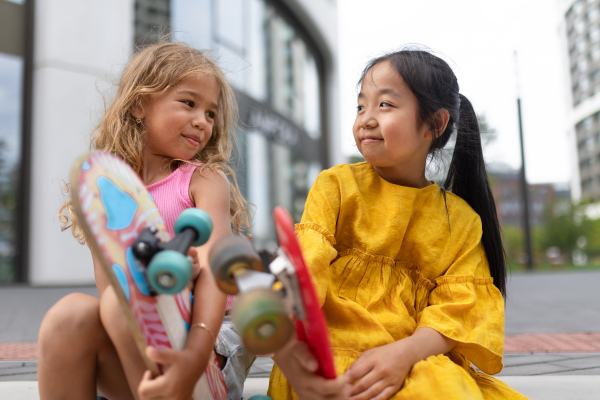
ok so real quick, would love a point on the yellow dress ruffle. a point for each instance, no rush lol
(387, 259)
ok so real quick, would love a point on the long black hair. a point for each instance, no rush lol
(435, 86)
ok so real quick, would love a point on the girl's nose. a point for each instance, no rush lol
(199, 121)
(367, 121)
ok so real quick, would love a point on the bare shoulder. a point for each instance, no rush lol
(207, 183)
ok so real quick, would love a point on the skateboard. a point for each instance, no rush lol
(148, 270)
(273, 301)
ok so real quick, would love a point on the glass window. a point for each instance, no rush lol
(191, 22)
(11, 99)
(229, 24)
(595, 34)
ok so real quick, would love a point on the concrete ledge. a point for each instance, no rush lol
(547, 387)
(552, 387)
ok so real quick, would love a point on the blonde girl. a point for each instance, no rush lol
(173, 121)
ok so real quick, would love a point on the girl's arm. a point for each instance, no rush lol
(209, 192)
(380, 372)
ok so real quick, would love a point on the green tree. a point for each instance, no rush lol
(568, 231)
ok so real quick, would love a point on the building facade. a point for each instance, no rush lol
(280, 57)
(545, 199)
(580, 29)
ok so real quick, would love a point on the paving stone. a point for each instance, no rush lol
(530, 358)
(580, 372)
(533, 369)
(579, 363)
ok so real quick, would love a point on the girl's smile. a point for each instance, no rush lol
(366, 140)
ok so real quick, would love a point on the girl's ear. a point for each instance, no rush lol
(441, 118)
(136, 110)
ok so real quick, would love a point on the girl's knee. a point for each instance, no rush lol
(75, 315)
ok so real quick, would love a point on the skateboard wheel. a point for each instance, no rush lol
(169, 272)
(229, 254)
(196, 219)
(260, 397)
(262, 320)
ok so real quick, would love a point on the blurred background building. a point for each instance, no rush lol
(581, 32)
(60, 60)
(545, 199)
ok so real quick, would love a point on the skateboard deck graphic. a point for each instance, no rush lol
(113, 207)
(310, 327)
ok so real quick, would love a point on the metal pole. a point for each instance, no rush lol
(525, 195)
(524, 186)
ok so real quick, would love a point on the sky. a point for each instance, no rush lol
(479, 39)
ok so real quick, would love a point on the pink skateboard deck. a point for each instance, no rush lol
(310, 327)
(113, 207)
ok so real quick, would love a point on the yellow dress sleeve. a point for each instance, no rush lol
(316, 230)
(466, 306)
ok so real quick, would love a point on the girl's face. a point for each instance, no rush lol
(387, 129)
(179, 121)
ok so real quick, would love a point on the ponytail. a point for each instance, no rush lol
(467, 178)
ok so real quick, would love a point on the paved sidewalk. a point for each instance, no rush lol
(552, 347)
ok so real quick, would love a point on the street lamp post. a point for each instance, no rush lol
(524, 186)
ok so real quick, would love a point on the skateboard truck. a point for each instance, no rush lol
(258, 313)
(168, 267)
(282, 268)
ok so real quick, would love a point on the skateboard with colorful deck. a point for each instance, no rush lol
(273, 301)
(148, 270)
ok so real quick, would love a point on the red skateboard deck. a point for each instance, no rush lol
(113, 207)
(310, 324)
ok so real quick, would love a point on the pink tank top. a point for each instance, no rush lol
(172, 196)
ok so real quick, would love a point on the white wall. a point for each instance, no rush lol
(80, 47)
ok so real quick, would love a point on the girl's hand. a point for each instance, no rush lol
(380, 372)
(178, 379)
(299, 367)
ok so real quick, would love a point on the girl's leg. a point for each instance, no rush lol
(114, 321)
(76, 356)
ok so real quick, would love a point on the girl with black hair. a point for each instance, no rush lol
(410, 276)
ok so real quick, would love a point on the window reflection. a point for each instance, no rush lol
(11, 78)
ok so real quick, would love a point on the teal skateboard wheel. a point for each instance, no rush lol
(169, 272)
(196, 219)
(260, 397)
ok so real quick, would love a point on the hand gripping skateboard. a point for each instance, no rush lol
(271, 304)
(148, 270)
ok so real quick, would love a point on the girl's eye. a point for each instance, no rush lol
(211, 115)
(385, 104)
(359, 109)
(188, 103)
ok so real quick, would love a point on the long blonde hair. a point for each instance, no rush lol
(152, 70)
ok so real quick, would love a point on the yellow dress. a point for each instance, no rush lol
(388, 259)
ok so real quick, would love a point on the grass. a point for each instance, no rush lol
(547, 267)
